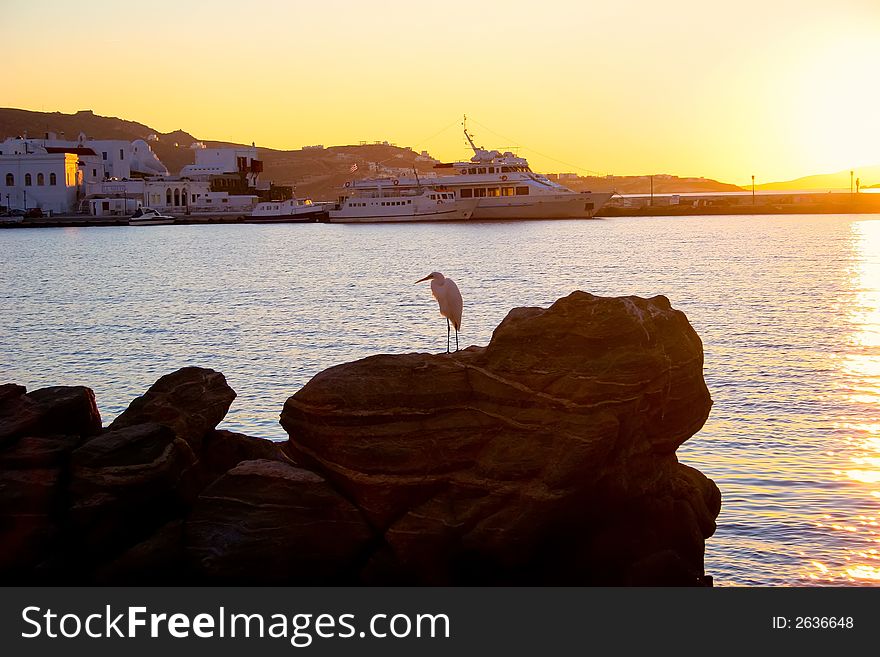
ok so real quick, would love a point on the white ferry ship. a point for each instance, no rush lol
(386, 200)
(502, 184)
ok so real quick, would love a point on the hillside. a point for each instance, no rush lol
(17, 122)
(869, 177)
(663, 184)
(318, 173)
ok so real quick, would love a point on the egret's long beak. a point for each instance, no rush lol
(428, 277)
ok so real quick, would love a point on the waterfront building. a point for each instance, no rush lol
(52, 174)
(221, 180)
(48, 181)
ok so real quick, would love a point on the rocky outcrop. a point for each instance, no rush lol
(546, 457)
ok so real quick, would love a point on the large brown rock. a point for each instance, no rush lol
(546, 457)
(125, 483)
(269, 522)
(67, 410)
(191, 401)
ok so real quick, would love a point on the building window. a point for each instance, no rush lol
(176, 197)
(507, 191)
(41, 180)
(479, 192)
(104, 155)
(522, 191)
(493, 191)
(10, 180)
(466, 193)
(168, 196)
(53, 179)
(27, 180)
(105, 206)
(94, 173)
(121, 154)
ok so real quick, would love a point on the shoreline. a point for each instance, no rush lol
(860, 206)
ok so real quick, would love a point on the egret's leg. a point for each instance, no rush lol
(456, 339)
(447, 335)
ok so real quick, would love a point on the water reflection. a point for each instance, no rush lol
(859, 376)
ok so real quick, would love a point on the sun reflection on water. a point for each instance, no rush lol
(860, 386)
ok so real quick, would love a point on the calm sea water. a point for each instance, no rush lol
(788, 308)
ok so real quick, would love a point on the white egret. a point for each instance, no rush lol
(446, 292)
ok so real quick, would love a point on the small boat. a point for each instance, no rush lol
(149, 217)
(389, 203)
(294, 210)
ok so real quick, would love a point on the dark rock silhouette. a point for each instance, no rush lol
(546, 457)
(58, 410)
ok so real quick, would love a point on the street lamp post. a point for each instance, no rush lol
(753, 189)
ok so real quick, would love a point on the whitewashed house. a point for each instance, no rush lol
(48, 181)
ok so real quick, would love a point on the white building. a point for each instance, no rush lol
(110, 158)
(171, 194)
(54, 174)
(223, 161)
(48, 181)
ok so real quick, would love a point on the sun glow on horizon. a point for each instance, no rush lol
(777, 91)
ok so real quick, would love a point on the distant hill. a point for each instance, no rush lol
(318, 173)
(869, 176)
(315, 172)
(663, 184)
(17, 122)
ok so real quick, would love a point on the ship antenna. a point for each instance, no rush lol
(467, 136)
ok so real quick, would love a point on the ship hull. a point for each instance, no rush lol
(301, 218)
(550, 206)
(436, 211)
(450, 215)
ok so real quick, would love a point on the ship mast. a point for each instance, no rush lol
(470, 141)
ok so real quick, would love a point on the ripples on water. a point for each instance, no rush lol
(788, 308)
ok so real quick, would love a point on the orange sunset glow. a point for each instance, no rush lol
(776, 89)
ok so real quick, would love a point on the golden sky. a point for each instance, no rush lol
(775, 88)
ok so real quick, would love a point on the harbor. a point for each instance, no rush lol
(53, 182)
(806, 203)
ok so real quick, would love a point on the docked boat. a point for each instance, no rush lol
(293, 210)
(149, 217)
(503, 186)
(388, 201)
